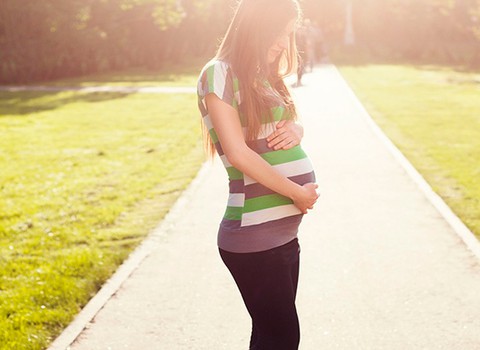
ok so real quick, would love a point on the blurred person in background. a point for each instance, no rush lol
(305, 39)
(301, 40)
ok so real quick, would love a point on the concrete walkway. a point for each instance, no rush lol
(381, 268)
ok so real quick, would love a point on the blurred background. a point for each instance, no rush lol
(50, 39)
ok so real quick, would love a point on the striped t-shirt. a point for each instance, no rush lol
(256, 218)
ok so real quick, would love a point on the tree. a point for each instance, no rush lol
(42, 40)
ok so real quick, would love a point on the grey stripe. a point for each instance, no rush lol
(203, 111)
(228, 225)
(233, 238)
(259, 146)
(219, 149)
(257, 190)
(236, 186)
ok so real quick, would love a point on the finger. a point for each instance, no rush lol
(281, 123)
(276, 133)
(284, 144)
(290, 145)
(277, 140)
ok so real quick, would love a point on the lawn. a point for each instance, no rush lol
(432, 114)
(84, 178)
(172, 74)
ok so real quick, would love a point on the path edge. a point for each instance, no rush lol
(128, 267)
(445, 211)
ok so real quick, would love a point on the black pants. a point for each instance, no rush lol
(268, 283)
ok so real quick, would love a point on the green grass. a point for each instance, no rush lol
(84, 178)
(171, 74)
(432, 114)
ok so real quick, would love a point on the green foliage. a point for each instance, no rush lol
(431, 114)
(428, 30)
(84, 178)
(51, 39)
(74, 37)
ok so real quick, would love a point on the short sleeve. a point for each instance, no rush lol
(217, 78)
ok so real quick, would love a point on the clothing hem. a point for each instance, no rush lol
(257, 239)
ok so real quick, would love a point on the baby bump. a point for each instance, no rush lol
(293, 163)
(261, 203)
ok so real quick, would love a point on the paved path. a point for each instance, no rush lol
(381, 268)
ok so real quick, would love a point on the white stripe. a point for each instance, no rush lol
(264, 215)
(225, 161)
(208, 122)
(220, 79)
(236, 199)
(237, 97)
(204, 102)
(297, 167)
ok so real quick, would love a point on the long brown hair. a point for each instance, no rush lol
(254, 29)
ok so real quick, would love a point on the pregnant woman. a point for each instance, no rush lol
(249, 117)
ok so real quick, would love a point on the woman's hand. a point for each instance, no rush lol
(305, 197)
(226, 123)
(288, 135)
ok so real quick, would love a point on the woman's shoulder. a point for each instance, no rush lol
(217, 77)
(216, 66)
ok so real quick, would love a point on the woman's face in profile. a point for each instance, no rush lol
(282, 42)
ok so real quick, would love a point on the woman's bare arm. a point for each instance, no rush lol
(227, 125)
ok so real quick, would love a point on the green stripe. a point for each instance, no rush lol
(210, 79)
(284, 156)
(235, 85)
(235, 90)
(233, 213)
(265, 202)
(234, 173)
(213, 135)
(278, 113)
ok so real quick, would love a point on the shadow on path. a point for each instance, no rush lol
(26, 102)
